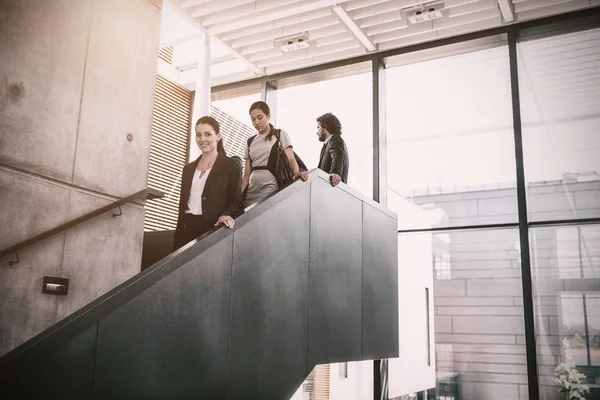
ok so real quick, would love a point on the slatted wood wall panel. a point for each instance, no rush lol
(317, 383)
(321, 382)
(168, 152)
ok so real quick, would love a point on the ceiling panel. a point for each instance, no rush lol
(252, 30)
(305, 18)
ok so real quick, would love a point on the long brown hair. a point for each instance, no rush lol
(217, 127)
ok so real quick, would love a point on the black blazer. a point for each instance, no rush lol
(222, 191)
(334, 158)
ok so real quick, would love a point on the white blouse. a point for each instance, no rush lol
(195, 200)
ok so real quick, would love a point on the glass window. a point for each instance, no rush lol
(237, 107)
(559, 80)
(348, 98)
(479, 325)
(450, 137)
(566, 272)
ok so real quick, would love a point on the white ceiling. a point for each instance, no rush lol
(244, 33)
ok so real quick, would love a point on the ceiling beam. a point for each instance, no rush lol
(251, 66)
(230, 78)
(313, 27)
(304, 18)
(325, 41)
(310, 52)
(314, 35)
(222, 59)
(270, 15)
(307, 62)
(216, 6)
(179, 40)
(244, 10)
(357, 4)
(380, 19)
(192, 3)
(473, 8)
(378, 9)
(444, 23)
(508, 10)
(351, 25)
(388, 27)
(457, 3)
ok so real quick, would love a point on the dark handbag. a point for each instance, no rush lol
(279, 164)
(283, 171)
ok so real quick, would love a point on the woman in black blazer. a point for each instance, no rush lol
(210, 187)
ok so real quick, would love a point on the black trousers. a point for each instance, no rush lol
(193, 227)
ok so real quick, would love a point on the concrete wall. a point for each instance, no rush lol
(478, 293)
(75, 78)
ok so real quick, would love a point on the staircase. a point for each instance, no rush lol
(309, 276)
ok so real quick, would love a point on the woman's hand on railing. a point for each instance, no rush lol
(225, 220)
(302, 175)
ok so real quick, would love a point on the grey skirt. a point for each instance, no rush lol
(262, 183)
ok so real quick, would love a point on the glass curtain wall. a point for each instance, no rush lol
(350, 99)
(450, 145)
(559, 78)
(450, 150)
(566, 271)
(559, 82)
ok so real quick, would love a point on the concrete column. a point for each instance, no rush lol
(202, 94)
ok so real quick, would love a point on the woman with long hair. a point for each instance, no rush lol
(258, 180)
(210, 186)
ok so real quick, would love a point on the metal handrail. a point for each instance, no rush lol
(148, 193)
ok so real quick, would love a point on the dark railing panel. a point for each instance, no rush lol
(335, 275)
(230, 314)
(380, 284)
(171, 341)
(64, 371)
(270, 302)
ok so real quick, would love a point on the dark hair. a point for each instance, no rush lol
(264, 107)
(260, 105)
(217, 127)
(221, 147)
(330, 123)
(210, 121)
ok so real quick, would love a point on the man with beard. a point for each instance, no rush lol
(334, 154)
